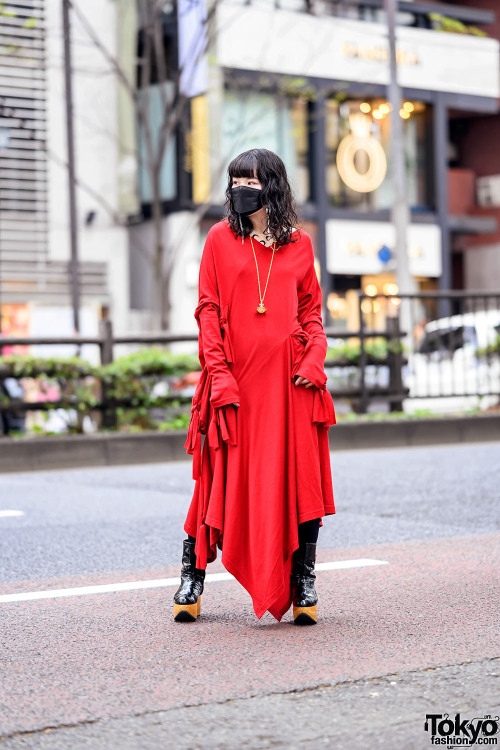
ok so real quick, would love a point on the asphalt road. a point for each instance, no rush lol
(417, 633)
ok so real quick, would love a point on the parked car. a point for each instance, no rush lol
(446, 363)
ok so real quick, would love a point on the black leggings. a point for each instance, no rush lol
(308, 532)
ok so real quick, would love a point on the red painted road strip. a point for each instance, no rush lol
(76, 659)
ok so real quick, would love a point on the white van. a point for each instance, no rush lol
(446, 362)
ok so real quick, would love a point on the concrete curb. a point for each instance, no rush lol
(37, 454)
(425, 431)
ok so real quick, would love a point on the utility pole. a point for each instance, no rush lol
(4, 144)
(400, 213)
(75, 288)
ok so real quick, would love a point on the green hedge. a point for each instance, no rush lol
(377, 352)
(453, 25)
(493, 348)
(139, 380)
(132, 378)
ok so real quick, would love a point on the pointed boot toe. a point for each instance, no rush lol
(187, 598)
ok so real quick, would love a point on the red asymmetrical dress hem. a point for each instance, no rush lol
(264, 466)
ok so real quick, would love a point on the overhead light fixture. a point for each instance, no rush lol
(390, 288)
(408, 106)
(365, 107)
(404, 114)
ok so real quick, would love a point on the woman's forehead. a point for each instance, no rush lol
(246, 176)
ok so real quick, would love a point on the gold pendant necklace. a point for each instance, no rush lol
(261, 308)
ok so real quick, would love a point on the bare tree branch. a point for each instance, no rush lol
(117, 219)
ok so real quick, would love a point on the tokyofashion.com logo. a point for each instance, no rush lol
(457, 732)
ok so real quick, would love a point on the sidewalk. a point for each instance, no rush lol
(110, 449)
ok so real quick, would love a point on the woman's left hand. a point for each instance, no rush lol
(303, 381)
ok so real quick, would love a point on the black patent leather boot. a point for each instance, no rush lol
(187, 598)
(304, 594)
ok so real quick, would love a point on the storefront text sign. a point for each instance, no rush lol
(353, 247)
(343, 49)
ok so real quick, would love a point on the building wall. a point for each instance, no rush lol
(183, 241)
(482, 268)
(23, 160)
(348, 54)
(102, 241)
(480, 145)
(479, 149)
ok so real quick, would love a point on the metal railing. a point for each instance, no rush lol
(106, 342)
(439, 345)
(450, 346)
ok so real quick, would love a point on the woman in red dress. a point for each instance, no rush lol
(263, 475)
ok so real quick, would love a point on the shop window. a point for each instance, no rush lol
(359, 154)
(265, 120)
(151, 89)
(153, 105)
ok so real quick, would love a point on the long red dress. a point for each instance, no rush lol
(265, 465)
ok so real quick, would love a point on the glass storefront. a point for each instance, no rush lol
(359, 154)
(263, 120)
(153, 104)
(343, 304)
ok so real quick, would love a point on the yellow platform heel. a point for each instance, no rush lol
(305, 615)
(187, 612)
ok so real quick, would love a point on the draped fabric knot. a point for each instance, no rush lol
(198, 421)
(226, 340)
(222, 426)
(323, 408)
(302, 342)
(193, 440)
(193, 429)
(201, 546)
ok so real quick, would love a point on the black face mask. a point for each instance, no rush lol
(246, 200)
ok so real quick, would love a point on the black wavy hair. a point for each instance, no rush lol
(276, 193)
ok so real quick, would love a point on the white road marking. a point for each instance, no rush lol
(11, 513)
(363, 562)
(156, 583)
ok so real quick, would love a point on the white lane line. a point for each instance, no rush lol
(11, 513)
(156, 583)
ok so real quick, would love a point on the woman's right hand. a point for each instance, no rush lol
(235, 403)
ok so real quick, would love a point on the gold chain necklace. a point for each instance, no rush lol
(261, 308)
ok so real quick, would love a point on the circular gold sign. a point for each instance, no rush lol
(374, 176)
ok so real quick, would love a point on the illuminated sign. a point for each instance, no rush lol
(359, 139)
(378, 54)
(352, 247)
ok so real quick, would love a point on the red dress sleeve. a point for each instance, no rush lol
(312, 366)
(212, 353)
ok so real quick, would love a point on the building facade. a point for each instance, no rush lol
(309, 81)
(35, 278)
(305, 78)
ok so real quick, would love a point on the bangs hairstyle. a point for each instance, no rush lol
(276, 194)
